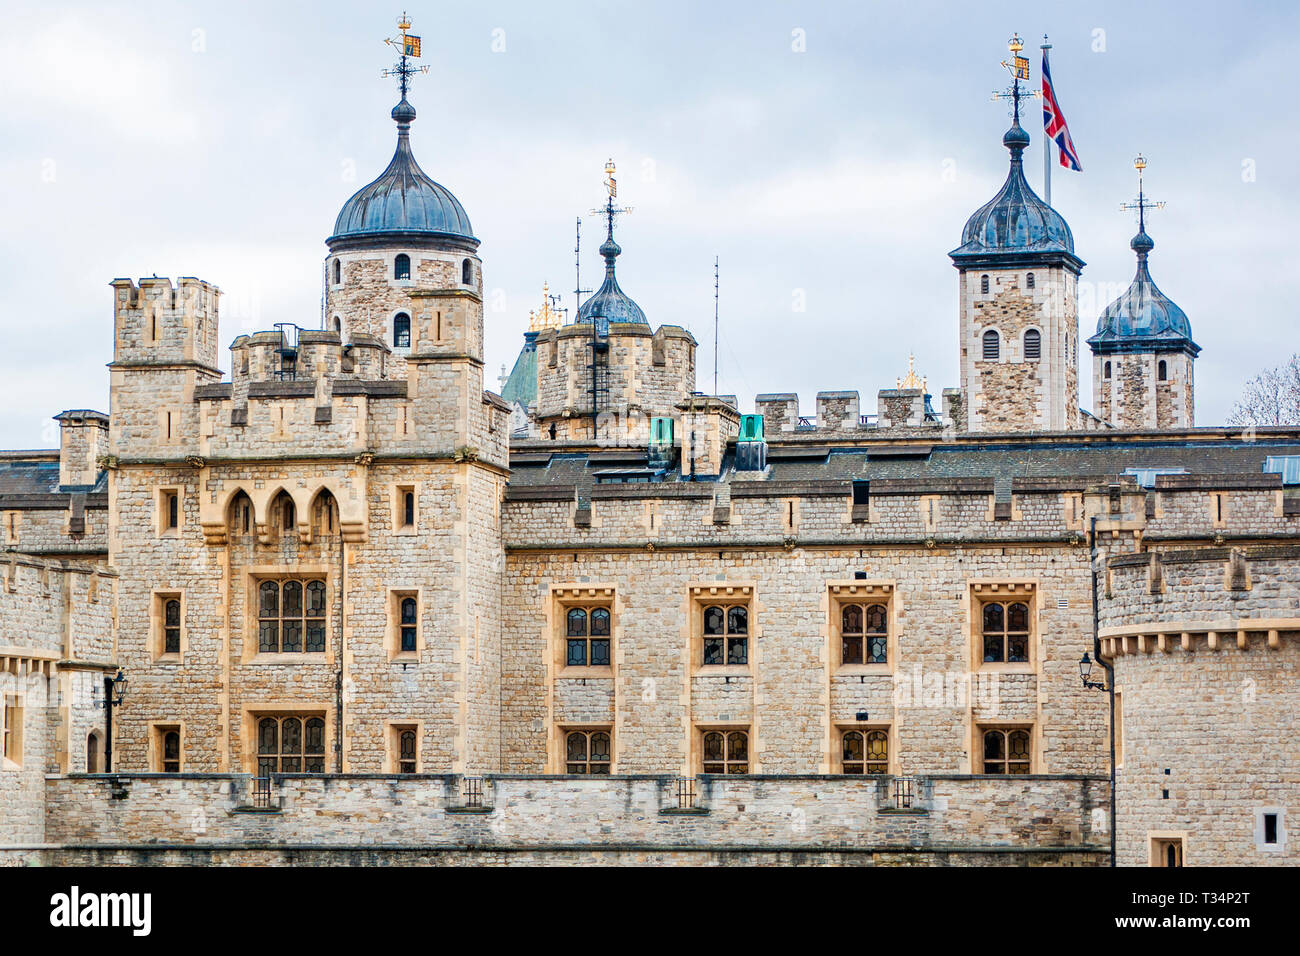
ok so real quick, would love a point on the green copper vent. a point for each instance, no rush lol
(751, 428)
(661, 431)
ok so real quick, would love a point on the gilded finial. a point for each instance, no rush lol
(539, 320)
(910, 381)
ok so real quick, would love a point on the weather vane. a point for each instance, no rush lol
(1142, 204)
(1019, 70)
(409, 46)
(609, 210)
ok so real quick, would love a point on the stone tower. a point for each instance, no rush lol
(604, 376)
(1019, 320)
(403, 254)
(1142, 352)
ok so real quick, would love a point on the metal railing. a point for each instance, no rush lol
(685, 793)
(903, 793)
(471, 791)
(262, 793)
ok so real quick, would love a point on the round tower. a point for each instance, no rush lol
(1205, 646)
(1142, 352)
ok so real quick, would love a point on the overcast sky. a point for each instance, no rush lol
(828, 153)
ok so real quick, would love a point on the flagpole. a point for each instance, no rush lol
(1047, 146)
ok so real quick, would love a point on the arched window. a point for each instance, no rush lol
(240, 520)
(338, 326)
(1162, 371)
(864, 634)
(283, 513)
(408, 509)
(1106, 371)
(402, 266)
(1006, 632)
(587, 637)
(172, 626)
(290, 745)
(410, 618)
(467, 272)
(401, 331)
(984, 284)
(1029, 281)
(865, 752)
(324, 513)
(726, 752)
(406, 752)
(1033, 344)
(1006, 751)
(992, 349)
(338, 272)
(94, 753)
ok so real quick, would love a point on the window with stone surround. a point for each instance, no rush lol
(1005, 750)
(401, 331)
(169, 617)
(1003, 625)
(291, 616)
(404, 747)
(240, 516)
(725, 751)
(406, 509)
(167, 748)
(588, 751)
(11, 527)
(291, 743)
(402, 266)
(991, 345)
(1167, 851)
(864, 751)
(584, 624)
(1105, 373)
(722, 625)
(587, 637)
(860, 625)
(169, 511)
(405, 632)
(1029, 280)
(1033, 345)
(94, 752)
(338, 272)
(11, 731)
(467, 272)
(1162, 371)
(984, 285)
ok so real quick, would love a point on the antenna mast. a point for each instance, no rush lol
(715, 325)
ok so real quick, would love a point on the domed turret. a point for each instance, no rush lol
(403, 204)
(610, 303)
(1143, 318)
(1143, 350)
(1015, 220)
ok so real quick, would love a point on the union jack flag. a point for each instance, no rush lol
(1054, 123)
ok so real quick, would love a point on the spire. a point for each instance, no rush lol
(610, 303)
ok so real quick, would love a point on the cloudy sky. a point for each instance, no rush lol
(827, 153)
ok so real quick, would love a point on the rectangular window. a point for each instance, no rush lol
(12, 730)
(1167, 851)
(1003, 624)
(409, 612)
(406, 509)
(864, 751)
(291, 616)
(1270, 828)
(169, 511)
(290, 743)
(404, 741)
(169, 614)
(588, 751)
(725, 633)
(725, 751)
(1006, 750)
(167, 748)
(587, 636)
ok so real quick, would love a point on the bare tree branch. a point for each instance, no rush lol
(1270, 398)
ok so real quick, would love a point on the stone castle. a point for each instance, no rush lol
(350, 606)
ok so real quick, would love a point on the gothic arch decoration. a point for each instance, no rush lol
(348, 502)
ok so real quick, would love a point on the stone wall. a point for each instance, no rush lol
(138, 818)
(1206, 648)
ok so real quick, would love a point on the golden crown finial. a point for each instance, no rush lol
(1015, 45)
(404, 22)
(1140, 163)
(910, 381)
